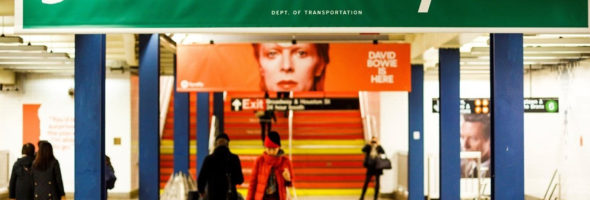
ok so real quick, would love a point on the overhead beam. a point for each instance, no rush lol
(29, 55)
(56, 71)
(34, 61)
(40, 67)
(533, 55)
(130, 55)
(5, 48)
(532, 59)
(425, 41)
(557, 41)
(233, 38)
(25, 65)
(538, 50)
(6, 7)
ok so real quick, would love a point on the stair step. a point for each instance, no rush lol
(322, 192)
(249, 143)
(259, 151)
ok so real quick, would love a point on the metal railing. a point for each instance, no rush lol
(293, 189)
(553, 185)
(471, 188)
(166, 92)
(475, 187)
(213, 132)
(369, 121)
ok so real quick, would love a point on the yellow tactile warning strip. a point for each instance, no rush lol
(321, 192)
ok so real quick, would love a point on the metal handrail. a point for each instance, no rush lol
(555, 173)
(367, 133)
(212, 133)
(166, 92)
(553, 191)
(294, 191)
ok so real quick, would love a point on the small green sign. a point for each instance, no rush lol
(445, 14)
(551, 106)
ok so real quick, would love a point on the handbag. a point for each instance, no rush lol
(383, 163)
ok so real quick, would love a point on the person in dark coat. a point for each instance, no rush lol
(265, 118)
(48, 183)
(372, 152)
(21, 179)
(109, 175)
(219, 168)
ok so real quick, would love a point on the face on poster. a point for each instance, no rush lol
(293, 67)
(475, 137)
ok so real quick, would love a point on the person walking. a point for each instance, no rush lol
(221, 172)
(47, 179)
(272, 172)
(21, 179)
(372, 152)
(265, 118)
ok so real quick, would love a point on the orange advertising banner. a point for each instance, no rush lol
(293, 67)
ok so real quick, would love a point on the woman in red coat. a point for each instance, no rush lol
(272, 172)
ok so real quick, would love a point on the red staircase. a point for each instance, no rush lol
(167, 142)
(327, 157)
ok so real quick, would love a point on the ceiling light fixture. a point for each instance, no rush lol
(10, 39)
(20, 48)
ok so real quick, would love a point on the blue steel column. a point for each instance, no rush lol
(181, 129)
(450, 163)
(202, 128)
(149, 109)
(218, 109)
(89, 117)
(416, 144)
(507, 116)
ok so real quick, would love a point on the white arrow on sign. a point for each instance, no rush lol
(236, 104)
(424, 6)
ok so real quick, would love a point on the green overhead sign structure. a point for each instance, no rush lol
(414, 15)
(483, 105)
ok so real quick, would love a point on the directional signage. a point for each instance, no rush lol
(483, 105)
(542, 105)
(248, 104)
(304, 15)
(239, 104)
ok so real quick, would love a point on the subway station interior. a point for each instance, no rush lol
(411, 100)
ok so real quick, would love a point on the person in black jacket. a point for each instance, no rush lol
(265, 118)
(47, 175)
(21, 179)
(109, 175)
(221, 172)
(372, 152)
